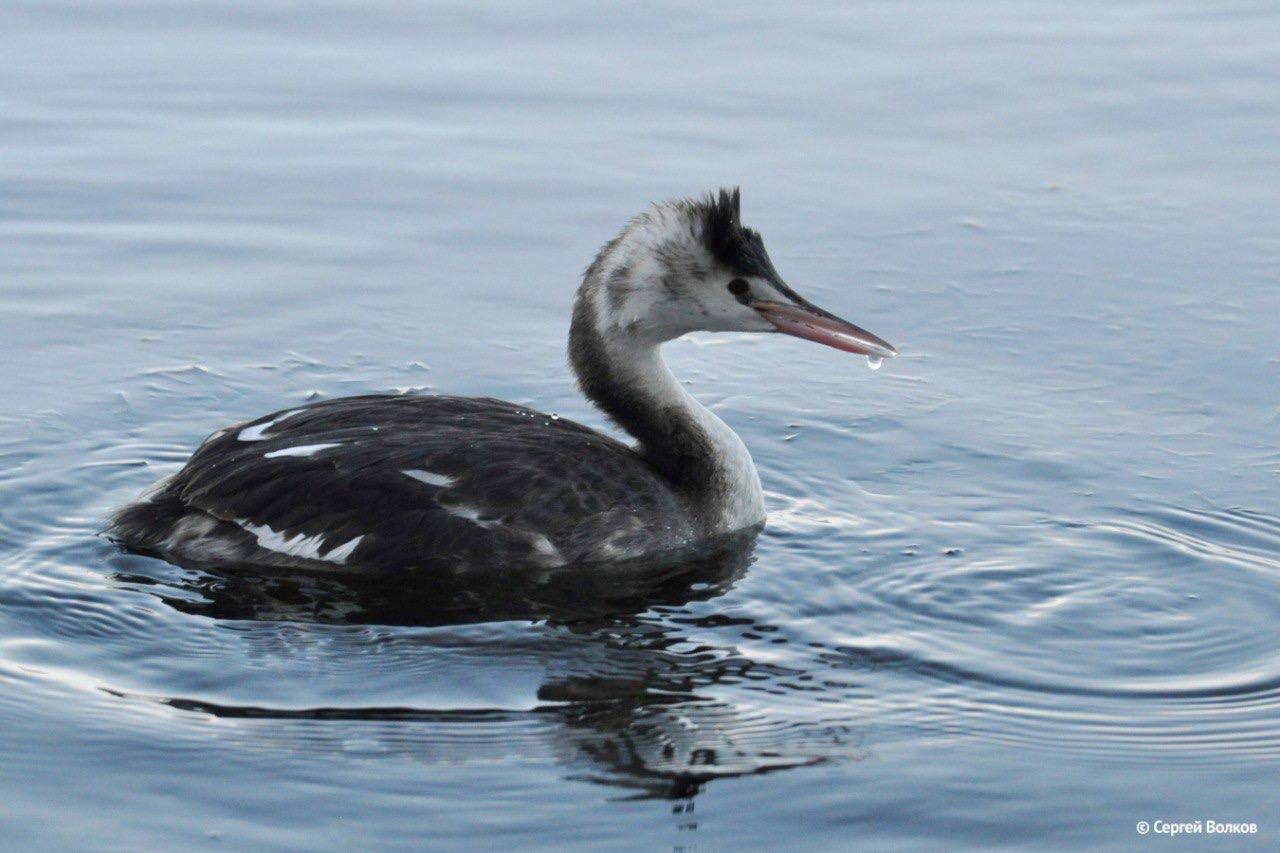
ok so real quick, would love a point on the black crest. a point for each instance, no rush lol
(731, 243)
(721, 217)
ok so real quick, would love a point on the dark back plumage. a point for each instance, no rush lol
(490, 484)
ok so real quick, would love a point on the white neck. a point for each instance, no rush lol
(624, 311)
(732, 485)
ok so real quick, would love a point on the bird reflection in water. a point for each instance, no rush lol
(625, 696)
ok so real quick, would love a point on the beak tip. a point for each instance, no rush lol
(814, 324)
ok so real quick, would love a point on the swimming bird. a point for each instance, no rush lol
(456, 483)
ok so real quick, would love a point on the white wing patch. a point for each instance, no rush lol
(431, 478)
(302, 450)
(300, 545)
(340, 553)
(546, 553)
(470, 513)
(258, 432)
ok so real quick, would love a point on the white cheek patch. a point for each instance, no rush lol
(662, 262)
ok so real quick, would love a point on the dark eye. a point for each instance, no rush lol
(738, 287)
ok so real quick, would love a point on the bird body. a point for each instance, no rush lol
(456, 484)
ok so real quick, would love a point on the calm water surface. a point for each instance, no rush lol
(1020, 586)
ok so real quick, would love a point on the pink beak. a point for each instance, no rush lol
(810, 322)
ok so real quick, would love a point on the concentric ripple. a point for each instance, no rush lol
(1129, 632)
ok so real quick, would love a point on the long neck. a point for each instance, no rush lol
(702, 458)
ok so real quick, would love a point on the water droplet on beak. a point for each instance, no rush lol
(874, 362)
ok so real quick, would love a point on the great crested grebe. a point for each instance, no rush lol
(475, 483)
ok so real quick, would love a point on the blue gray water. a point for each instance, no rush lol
(1020, 586)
